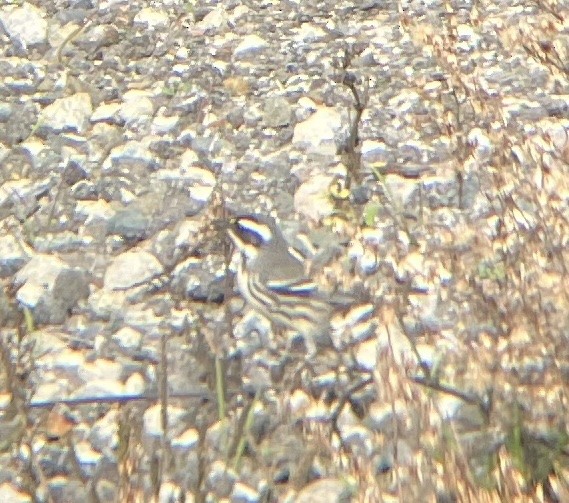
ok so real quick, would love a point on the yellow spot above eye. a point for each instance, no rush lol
(338, 189)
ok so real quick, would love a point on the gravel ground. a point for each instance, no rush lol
(420, 149)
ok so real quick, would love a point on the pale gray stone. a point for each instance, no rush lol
(25, 24)
(249, 47)
(70, 113)
(277, 112)
(325, 491)
(137, 108)
(163, 124)
(374, 151)
(106, 112)
(242, 493)
(132, 268)
(50, 288)
(215, 19)
(221, 479)
(129, 153)
(13, 255)
(128, 338)
(312, 199)
(153, 420)
(11, 493)
(152, 18)
(131, 224)
(318, 133)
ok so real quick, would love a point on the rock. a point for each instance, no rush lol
(153, 420)
(137, 107)
(214, 20)
(132, 268)
(151, 18)
(25, 25)
(277, 112)
(318, 133)
(312, 199)
(128, 338)
(325, 491)
(9, 492)
(130, 224)
(50, 288)
(13, 255)
(71, 113)
(221, 479)
(250, 47)
(243, 493)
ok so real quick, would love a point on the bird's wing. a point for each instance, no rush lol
(300, 287)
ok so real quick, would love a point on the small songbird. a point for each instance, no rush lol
(271, 276)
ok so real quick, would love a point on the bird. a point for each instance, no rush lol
(271, 276)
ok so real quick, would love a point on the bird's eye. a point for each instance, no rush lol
(253, 231)
(250, 237)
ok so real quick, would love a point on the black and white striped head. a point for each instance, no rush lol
(253, 233)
